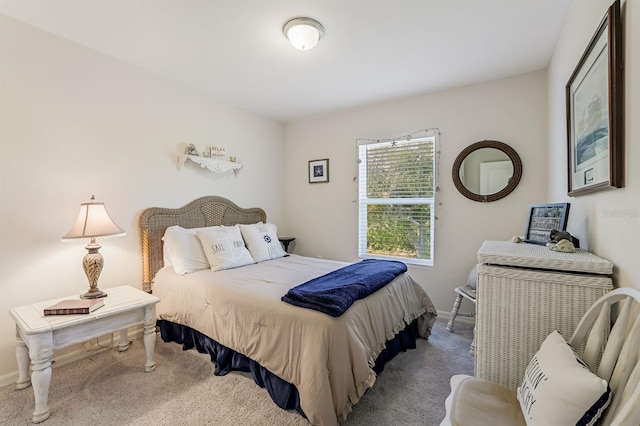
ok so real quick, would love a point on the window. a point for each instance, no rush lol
(396, 200)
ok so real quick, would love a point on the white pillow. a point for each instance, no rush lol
(224, 247)
(558, 388)
(262, 241)
(184, 250)
(166, 257)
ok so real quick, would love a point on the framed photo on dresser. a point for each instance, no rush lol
(542, 219)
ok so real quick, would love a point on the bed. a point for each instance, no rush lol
(309, 361)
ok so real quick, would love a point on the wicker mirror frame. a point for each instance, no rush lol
(513, 183)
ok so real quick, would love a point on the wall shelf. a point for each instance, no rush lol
(214, 165)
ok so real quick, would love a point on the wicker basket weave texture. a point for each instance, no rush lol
(205, 211)
(537, 256)
(517, 308)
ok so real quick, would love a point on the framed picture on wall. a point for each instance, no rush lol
(595, 111)
(319, 171)
(543, 218)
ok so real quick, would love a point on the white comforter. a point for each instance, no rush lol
(329, 360)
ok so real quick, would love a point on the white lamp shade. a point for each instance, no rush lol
(93, 221)
(303, 33)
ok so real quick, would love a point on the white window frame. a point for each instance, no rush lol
(364, 201)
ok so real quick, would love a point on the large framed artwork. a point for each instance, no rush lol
(543, 218)
(595, 115)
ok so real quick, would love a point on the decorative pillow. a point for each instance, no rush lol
(262, 241)
(184, 250)
(559, 389)
(224, 247)
(472, 280)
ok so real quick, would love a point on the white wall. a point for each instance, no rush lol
(76, 123)
(607, 222)
(323, 216)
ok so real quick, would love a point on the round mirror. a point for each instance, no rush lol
(487, 171)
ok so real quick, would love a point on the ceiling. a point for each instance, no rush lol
(372, 50)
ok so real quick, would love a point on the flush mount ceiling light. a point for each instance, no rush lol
(303, 33)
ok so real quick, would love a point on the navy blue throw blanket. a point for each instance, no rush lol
(335, 292)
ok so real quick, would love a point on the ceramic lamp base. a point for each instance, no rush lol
(92, 264)
(93, 294)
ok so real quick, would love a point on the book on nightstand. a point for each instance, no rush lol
(73, 307)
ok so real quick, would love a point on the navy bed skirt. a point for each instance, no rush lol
(283, 393)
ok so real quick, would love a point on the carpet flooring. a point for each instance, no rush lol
(111, 388)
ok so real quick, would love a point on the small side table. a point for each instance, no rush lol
(285, 242)
(38, 335)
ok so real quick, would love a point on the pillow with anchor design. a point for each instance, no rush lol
(262, 241)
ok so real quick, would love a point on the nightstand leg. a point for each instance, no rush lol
(41, 354)
(149, 337)
(124, 343)
(22, 355)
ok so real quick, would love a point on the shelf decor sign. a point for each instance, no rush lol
(595, 111)
(218, 152)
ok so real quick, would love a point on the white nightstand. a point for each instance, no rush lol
(38, 335)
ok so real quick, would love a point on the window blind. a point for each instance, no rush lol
(396, 200)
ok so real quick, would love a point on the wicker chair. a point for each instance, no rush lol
(608, 341)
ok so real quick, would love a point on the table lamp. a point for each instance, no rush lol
(93, 222)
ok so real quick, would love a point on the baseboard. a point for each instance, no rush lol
(85, 350)
(446, 315)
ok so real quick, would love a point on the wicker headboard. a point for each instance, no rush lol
(205, 211)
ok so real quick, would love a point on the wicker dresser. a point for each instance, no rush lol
(525, 291)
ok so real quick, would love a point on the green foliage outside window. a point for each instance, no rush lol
(399, 230)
